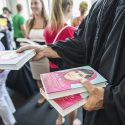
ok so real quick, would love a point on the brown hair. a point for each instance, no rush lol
(43, 14)
(57, 16)
(19, 7)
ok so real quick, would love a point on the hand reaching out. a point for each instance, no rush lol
(41, 51)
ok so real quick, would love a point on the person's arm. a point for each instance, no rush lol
(41, 51)
(72, 52)
(9, 25)
(77, 52)
(23, 26)
(114, 101)
(23, 29)
(27, 28)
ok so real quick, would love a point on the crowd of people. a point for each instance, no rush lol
(96, 40)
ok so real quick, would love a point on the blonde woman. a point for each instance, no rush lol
(57, 30)
(83, 7)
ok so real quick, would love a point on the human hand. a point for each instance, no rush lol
(96, 96)
(37, 48)
(50, 53)
(24, 44)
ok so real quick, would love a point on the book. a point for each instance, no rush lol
(25, 40)
(11, 60)
(3, 22)
(29, 41)
(66, 105)
(1, 35)
(67, 82)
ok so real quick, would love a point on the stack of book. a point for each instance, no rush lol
(64, 91)
(11, 60)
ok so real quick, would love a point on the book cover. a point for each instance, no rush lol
(69, 79)
(67, 104)
(67, 101)
(3, 22)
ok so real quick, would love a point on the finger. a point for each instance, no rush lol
(88, 107)
(88, 85)
(23, 44)
(90, 104)
(22, 49)
(38, 57)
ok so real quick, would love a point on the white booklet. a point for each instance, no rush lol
(12, 60)
(25, 40)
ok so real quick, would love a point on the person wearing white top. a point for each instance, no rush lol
(35, 29)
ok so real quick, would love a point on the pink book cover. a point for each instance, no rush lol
(68, 101)
(69, 79)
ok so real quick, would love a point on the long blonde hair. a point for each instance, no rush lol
(57, 14)
(83, 7)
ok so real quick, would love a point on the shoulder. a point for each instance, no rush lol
(68, 32)
(21, 17)
(46, 31)
(76, 18)
(29, 21)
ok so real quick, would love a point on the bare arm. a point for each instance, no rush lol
(23, 29)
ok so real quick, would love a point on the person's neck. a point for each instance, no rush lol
(20, 12)
(82, 15)
(66, 17)
(38, 17)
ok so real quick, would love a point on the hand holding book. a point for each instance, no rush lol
(70, 89)
(37, 48)
(41, 51)
(11, 60)
(96, 95)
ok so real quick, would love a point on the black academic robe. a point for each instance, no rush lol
(100, 43)
(22, 82)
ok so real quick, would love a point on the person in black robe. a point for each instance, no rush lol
(100, 43)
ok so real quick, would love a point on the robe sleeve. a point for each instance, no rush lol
(71, 51)
(77, 52)
(114, 102)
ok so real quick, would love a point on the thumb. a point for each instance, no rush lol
(88, 85)
(22, 49)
